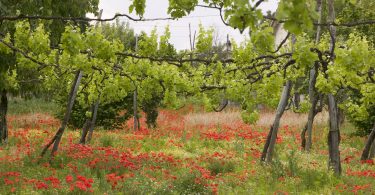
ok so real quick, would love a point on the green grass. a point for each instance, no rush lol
(157, 163)
(19, 106)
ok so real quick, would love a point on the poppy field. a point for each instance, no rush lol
(190, 152)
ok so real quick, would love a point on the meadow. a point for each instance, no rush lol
(190, 152)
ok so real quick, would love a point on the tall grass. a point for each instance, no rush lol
(212, 118)
(19, 106)
(266, 118)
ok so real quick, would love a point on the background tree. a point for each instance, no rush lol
(260, 70)
(27, 79)
(297, 17)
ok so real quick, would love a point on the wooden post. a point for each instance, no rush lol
(135, 96)
(3, 117)
(313, 110)
(269, 146)
(85, 131)
(271, 138)
(135, 108)
(307, 144)
(334, 131)
(190, 38)
(368, 151)
(90, 123)
(93, 121)
(57, 138)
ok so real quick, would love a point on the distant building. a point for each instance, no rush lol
(279, 32)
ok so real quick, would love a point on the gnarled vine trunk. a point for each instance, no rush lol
(57, 138)
(372, 150)
(85, 130)
(296, 99)
(89, 125)
(272, 135)
(3, 117)
(369, 150)
(307, 143)
(93, 121)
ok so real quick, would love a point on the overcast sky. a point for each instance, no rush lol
(180, 28)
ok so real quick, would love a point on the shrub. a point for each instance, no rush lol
(106, 141)
(25, 106)
(217, 166)
(313, 179)
(187, 184)
(110, 115)
(364, 126)
(114, 114)
(363, 122)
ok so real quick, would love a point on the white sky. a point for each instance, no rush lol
(180, 28)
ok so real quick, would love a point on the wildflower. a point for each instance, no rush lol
(8, 182)
(113, 179)
(54, 181)
(281, 179)
(348, 159)
(41, 185)
(81, 185)
(14, 174)
(279, 192)
(85, 181)
(69, 179)
(357, 188)
(369, 162)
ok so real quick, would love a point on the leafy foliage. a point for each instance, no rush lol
(299, 15)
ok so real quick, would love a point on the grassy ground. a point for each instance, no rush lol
(190, 153)
(18, 106)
